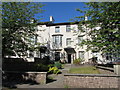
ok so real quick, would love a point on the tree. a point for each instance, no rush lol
(17, 26)
(106, 16)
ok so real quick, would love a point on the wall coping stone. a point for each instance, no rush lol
(24, 72)
(92, 75)
(107, 68)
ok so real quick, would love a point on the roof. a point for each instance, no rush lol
(57, 35)
(54, 24)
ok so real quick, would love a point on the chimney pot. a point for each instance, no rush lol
(51, 19)
(86, 18)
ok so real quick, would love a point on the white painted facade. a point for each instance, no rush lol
(46, 36)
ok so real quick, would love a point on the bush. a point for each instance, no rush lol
(54, 70)
(51, 62)
(41, 67)
(77, 61)
(58, 65)
(51, 65)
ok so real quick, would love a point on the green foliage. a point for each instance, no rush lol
(54, 70)
(66, 86)
(106, 16)
(77, 61)
(16, 26)
(41, 67)
(58, 65)
(51, 65)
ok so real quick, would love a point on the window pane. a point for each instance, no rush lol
(81, 54)
(68, 28)
(57, 41)
(60, 40)
(68, 41)
(57, 29)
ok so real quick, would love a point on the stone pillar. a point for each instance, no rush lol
(117, 69)
(38, 77)
(41, 78)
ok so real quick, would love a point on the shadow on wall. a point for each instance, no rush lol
(11, 79)
(15, 72)
(50, 80)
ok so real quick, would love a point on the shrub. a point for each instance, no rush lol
(41, 67)
(77, 61)
(58, 65)
(51, 65)
(66, 86)
(54, 70)
(51, 62)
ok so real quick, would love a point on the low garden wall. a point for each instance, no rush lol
(37, 77)
(91, 81)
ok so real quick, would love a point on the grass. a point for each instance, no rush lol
(85, 70)
(66, 86)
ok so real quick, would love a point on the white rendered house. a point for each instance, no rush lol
(62, 40)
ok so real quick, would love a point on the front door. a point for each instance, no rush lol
(69, 58)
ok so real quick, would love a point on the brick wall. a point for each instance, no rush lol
(91, 81)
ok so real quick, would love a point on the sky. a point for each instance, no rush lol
(61, 11)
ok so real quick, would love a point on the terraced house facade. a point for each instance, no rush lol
(61, 40)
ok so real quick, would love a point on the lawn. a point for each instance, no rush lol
(85, 70)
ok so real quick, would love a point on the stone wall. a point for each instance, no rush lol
(39, 77)
(91, 81)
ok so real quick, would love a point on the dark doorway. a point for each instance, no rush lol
(57, 56)
(69, 58)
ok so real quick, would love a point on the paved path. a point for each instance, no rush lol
(58, 83)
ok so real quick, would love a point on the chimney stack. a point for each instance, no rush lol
(51, 19)
(86, 18)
